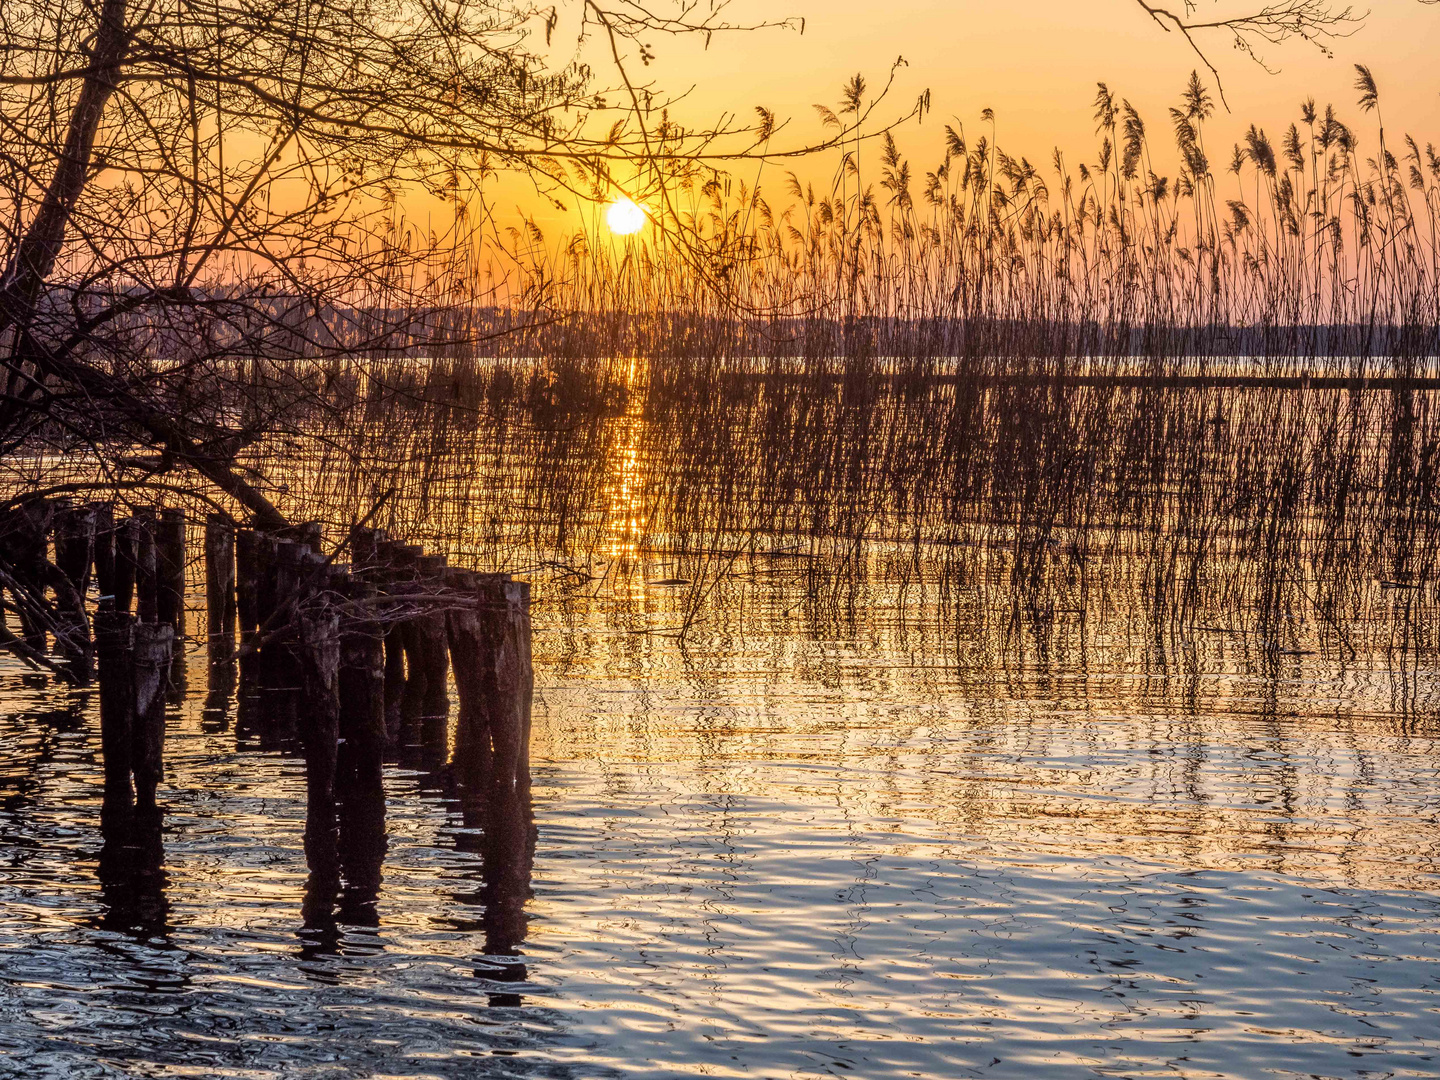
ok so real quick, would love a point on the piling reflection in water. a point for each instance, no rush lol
(345, 848)
(507, 856)
(132, 873)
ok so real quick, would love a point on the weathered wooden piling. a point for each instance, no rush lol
(247, 598)
(75, 544)
(74, 528)
(474, 754)
(494, 678)
(153, 653)
(362, 691)
(25, 533)
(246, 581)
(394, 576)
(266, 545)
(279, 578)
(127, 556)
(516, 677)
(170, 569)
(220, 600)
(220, 607)
(364, 551)
(147, 580)
(308, 533)
(103, 554)
(346, 650)
(427, 657)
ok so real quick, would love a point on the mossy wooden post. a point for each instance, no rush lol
(319, 655)
(170, 569)
(147, 582)
(114, 645)
(220, 605)
(153, 653)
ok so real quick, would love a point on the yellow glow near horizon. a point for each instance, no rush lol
(624, 217)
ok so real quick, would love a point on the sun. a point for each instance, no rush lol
(624, 217)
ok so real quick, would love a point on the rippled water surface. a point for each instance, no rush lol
(772, 852)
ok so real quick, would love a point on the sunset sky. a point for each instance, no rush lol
(1036, 64)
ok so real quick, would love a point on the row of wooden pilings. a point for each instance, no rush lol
(360, 653)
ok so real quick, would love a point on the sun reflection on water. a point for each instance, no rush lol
(626, 516)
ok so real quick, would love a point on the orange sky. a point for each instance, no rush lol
(1036, 64)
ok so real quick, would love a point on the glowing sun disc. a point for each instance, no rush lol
(624, 217)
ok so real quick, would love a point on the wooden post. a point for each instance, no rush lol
(514, 684)
(104, 553)
(319, 651)
(154, 649)
(26, 546)
(315, 576)
(289, 561)
(127, 534)
(363, 554)
(74, 551)
(147, 581)
(75, 544)
(495, 681)
(521, 680)
(361, 789)
(474, 755)
(407, 581)
(362, 692)
(266, 548)
(247, 597)
(220, 606)
(219, 577)
(247, 572)
(170, 570)
(430, 667)
(394, 577)
(114, 644)
(310, 534)
(279, 604)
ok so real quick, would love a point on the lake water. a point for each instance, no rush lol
(786, 846)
